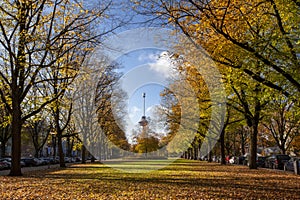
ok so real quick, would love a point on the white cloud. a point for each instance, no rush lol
(134, 111)
(159, 62)
(150, 110)
(148, 57)
(162, 64)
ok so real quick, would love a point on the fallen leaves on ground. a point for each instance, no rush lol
(183, 179)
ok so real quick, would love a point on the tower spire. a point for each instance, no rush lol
(144, 121)
(144, 96)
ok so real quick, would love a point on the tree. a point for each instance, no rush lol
(39, 130)
(99, 107)
(110, 103)
(60, 80)
(146, 138)
(258, 38)
(283, 122)
(234, 32)
(296, 145)
(35, 36)
(84, 114)
(248, 98)
(196, 98)
(71, 135)
(5, 129)
(61, 116)
(180, 111)
(147, 145)
(232, 117)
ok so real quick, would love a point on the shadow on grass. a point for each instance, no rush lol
(193, 177)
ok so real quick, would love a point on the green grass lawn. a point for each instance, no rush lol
(182, 179)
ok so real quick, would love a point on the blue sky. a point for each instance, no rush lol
(145, 71)
(141, 56)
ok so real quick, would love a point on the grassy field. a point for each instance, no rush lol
(181, 180)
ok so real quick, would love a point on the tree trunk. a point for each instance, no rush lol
(195, 152)
(100, 153)
(16, 143)
(222, 146)
(71, 147)
(59, 135)
(104, 152)
(3, 149)
(16, 94)
(243, 142)
(83, 152)
(253, 147)
(60, 151)
(189, 153)
(68, 147)
(199, 151)
(36, 154)
(253, 136)
(54, 146)
(209, 151)
(93, 159)
(6, 134)
(101, 149)
(282, 148)
(209, 157)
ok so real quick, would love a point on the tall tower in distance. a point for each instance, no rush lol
(144, 121)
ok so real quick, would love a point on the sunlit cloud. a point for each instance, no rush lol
(162, 64)
(149, 57)
(134, 111)
(150, 110)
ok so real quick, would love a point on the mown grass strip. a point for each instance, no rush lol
(183, 179)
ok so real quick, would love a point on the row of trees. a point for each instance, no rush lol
(44, 46)
(45, 58)
(255, 46)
